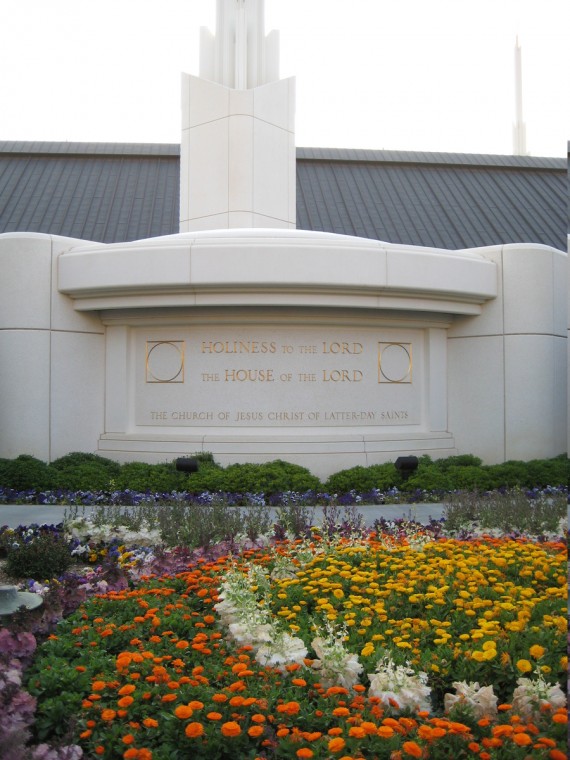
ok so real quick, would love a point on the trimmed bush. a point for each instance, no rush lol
(156, 478)
(461, 460)
(381, 476)
(25, 472)
(269, 477)
(90, 472)
(84, 472)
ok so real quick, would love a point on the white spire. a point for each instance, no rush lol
(519, 127)
(239, 55)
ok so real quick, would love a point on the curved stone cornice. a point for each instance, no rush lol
(274, 267)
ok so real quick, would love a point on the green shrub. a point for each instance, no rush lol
(26, 472)
(466, 478)
(157, 478)
(427, 478)
(461, 460)
(269, 477)
(84, 472)
(509, 474)
(548, 472)
(381, 476)
(44, 557)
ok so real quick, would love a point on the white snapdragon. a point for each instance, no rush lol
(281, 650)
(480, 699)
(249, 621)
(401, 684)
(336, 666)
(532, 694)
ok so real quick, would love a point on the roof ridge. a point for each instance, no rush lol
(32, 147)
(431, 158)
(361, 155)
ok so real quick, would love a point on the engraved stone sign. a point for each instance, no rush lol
(227, 376)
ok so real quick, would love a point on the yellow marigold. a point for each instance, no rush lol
(536, 651)
(524, 666)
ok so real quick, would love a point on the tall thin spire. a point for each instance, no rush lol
(519, 127)
(239, 55)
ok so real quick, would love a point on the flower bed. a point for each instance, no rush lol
(389, 645)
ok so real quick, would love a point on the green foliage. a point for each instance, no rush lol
(140, 476)
(88, 472)
(268, 477)
(382, 476)
(84, 472)
(461, 460)
(25, 472)
(44, 557)
(537, 472)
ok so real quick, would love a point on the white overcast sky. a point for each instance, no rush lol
(433, 75)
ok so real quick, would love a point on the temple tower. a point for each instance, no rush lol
(238, 143)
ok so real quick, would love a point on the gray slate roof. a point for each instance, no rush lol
(114, 192)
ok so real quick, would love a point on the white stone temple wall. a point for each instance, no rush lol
(508, 367)
(51, 356)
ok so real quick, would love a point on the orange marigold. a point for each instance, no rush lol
(337, 744)
(183, 712)
(413, 749)
(255, 731)
(194, 730)
(522, 739)
(304, 752)
(556, 754)
(231, 728)
(289, 708)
